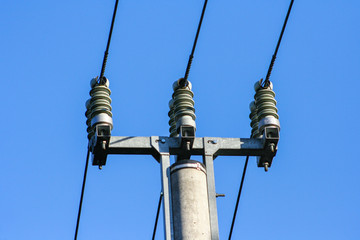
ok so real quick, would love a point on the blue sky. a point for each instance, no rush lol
(51, 50)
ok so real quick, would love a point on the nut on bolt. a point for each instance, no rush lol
(214, 141)
(266, 166)
(272, 147)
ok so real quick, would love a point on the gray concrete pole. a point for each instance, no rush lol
(190, 207)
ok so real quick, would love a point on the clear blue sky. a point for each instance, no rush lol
(50, 50)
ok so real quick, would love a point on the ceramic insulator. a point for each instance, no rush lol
(98, 107)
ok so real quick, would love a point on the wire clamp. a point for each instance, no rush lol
(100, 144)
(270, 139)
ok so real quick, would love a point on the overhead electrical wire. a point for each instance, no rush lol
(157, 215)
(184, 81)
(101, 81)
(266, 83)
(238, 197)
(82, 194)
(267, 78)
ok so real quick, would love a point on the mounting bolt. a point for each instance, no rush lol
(214, 141)
(272, 147)
(162, 140)
(188, 145)
(266, 166)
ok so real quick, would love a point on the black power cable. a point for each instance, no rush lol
(82, 194)
(184, 81)
(238, 197)
(267, 81)
(157, 215)
(102, 80)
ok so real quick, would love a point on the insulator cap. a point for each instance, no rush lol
(176, 85)
(258, 85)
(94, 82)
(267, 122)
(102, 118)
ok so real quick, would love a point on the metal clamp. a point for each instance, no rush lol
(100, 144)
(187, 137)
(271, 139)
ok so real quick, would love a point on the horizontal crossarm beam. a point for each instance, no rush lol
(103, 144)
(218, 146)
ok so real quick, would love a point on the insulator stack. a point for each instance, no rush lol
(254, 121)
(98, 107)
(183, 111)
(172, 122)
(266, 106)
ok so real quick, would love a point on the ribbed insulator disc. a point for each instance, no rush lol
(266, 103)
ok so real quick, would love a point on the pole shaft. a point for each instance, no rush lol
(190, 208)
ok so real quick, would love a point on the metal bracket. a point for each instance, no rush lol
(210, 148)
(270, 139)
(162, 154)
(100, 144)
(187, 136)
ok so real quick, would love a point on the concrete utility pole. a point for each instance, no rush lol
(188, 186)
(189, 197)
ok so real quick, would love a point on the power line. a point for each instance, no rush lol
(102, 81)
(183, 82)
(82, 194)
(267, 81)
(157, 215)
(238, 197)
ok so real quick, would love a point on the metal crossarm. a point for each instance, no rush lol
(218, 146)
